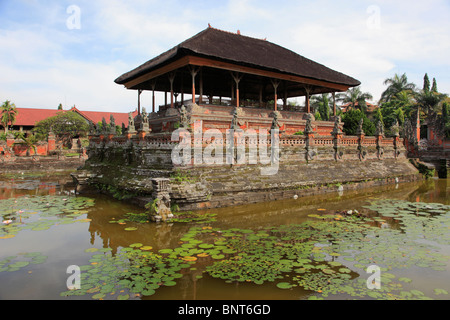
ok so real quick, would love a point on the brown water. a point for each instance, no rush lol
(65, 245)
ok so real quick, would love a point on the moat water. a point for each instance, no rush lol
(227, 253)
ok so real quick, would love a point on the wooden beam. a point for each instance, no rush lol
(199, 61)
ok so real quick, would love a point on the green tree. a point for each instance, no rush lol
(321, 103)
(396, 86)
(426, 83)
(65, 125)
(355, 98)
(60, 107)
(430, 99)
(351, 121)
(8, 114)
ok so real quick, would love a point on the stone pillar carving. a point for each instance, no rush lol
(360, 133)
(396, 135)
(337, 135)
(379, 134)
(309, 134)
(159, 208)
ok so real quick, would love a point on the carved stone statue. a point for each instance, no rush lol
(380, 129)
(112, 124)
(144, 123)
(184, 122)
(275, 122)
(131, 128)
(360, 130)
(92, 128)
(308, 127)
(104, 125)
(234, 121)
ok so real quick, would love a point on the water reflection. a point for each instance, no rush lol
(100, 232)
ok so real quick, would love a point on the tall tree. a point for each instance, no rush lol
(8, 114)
(430, 99)
(434, 86)
(396, 85)
(355, 98)
(321, 103)
(426, 83)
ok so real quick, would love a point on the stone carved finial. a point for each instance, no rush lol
(92, 128)
(308, 127)
(337, 128)
(104, 125)
(275, 121)
(144, 126)
(234, 121)
(395, 129)
(184, 121)
(360, 130)
(131, 128)
(380, 129)
(112, 124)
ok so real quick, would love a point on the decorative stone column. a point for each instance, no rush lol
(159, 208)
(309, 134)
(337, 135)
(395, 133)
(360, 133)
(379, 134)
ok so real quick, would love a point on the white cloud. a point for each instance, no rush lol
(47, 64)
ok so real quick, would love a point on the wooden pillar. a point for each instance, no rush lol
(334, 103)
(261, 95)
(285, 96)
(194, 72)
(171, 79)
(307, 104)
(237, 78)
(182, 90)
(139, 101)
(200, 98)
(153, 96)
(275, 83)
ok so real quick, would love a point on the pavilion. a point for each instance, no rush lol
(218, 68)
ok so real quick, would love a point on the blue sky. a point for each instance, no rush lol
(52, 54)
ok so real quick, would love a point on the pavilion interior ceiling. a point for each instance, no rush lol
(220, 82)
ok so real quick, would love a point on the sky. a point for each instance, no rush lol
(70, 52)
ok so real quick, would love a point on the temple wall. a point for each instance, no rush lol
(307, 164)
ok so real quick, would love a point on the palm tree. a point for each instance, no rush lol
(355, 97)
(321, 103)
(396, 85)
(8, 114)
